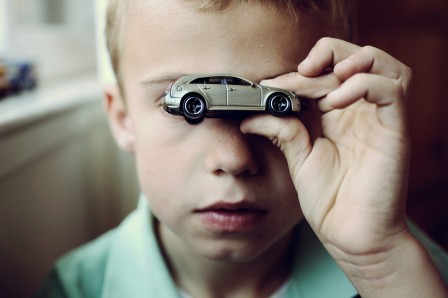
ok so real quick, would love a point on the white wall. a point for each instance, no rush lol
(62, 182)
(59, 39)
(4, 27)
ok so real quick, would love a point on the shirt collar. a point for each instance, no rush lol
(136, 266)
(315, 272)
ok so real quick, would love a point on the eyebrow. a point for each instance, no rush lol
(162, 78)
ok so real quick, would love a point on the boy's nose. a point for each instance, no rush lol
(231, 152)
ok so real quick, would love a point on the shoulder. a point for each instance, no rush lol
(80, 273)
(87, 263)
(125, 262)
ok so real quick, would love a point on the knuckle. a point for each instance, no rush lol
(325, 41)
(407, 79)
(372, 53)
(397, 89)
(407, 73)
(370, 50)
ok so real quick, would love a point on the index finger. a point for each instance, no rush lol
(315, 88)
(326, 53)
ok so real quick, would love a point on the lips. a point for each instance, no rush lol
(232, 217)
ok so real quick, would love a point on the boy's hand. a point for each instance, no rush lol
(351, 174)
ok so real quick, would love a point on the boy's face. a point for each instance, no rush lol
(215, 191)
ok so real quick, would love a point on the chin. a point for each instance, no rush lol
(230, 251)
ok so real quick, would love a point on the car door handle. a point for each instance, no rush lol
(205, 87)
(232, 89)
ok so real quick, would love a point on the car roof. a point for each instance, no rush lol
(189, 78)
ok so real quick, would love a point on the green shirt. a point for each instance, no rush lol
(127, 262)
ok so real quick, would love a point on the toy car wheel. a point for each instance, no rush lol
(193, 107)
(279, 104)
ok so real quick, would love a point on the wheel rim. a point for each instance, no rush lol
(279, 104)
(194, 106)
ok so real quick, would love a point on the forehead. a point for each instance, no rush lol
(167, 34)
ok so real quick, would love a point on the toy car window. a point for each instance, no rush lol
(199, 81)
(237, 81)
(214, 80)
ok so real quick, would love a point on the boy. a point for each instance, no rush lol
(236, 204)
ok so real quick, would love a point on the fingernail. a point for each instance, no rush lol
(332, 94)
(303, 65)
(304, 62)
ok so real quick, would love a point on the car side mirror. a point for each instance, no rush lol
(253, 85)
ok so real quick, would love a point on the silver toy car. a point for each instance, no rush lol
(196, 96)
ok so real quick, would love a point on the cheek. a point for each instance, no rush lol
(164, 157)
(160, 164)
(160, 176)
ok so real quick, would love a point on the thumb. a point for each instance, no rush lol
(287, 133)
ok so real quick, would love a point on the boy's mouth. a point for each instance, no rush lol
(226, 217)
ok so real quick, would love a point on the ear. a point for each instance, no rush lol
(119, 121)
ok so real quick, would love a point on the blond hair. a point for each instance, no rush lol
(335, 13)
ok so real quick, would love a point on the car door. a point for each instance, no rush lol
(213, 90)
(242, 93)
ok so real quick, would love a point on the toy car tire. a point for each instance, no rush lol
(278, 104)
(193, 107)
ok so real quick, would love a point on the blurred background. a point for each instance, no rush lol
(416, 32)
(63, 181)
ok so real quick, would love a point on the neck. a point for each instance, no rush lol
(201, 276)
